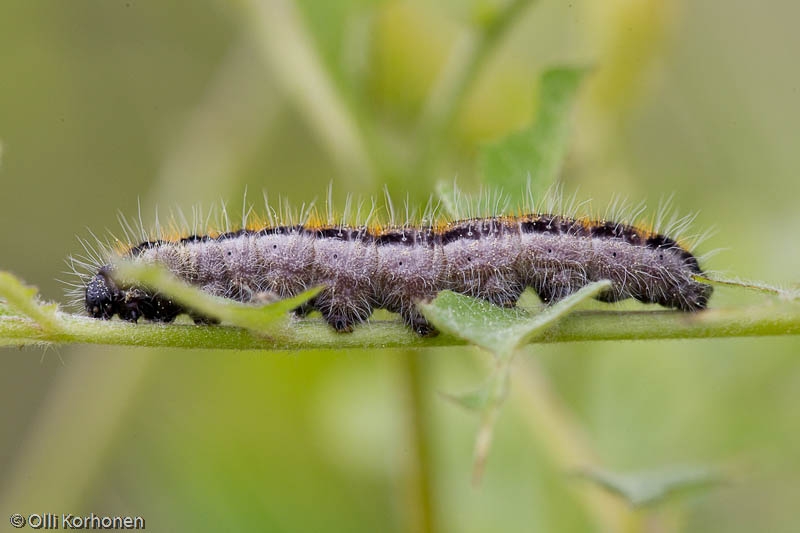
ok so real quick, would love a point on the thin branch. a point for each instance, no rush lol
(756, 321)
(422, 516)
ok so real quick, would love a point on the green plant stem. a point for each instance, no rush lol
(756, 321)
(497, 393)
(420, 485)
(563, 439)
(466, 61)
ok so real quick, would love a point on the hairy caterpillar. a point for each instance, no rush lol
(365, 266)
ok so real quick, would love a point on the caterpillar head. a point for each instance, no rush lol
(104, 299)
(102, 295)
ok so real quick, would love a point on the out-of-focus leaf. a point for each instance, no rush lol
(536, 153)
(653, 487)
(475, 400)
(493, 392)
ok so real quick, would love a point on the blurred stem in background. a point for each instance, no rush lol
(239, 105)
(467, 58)
(555, 427)
(201, 159)
(421, 485)
(289, 53)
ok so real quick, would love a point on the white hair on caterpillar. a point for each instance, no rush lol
(369, 258)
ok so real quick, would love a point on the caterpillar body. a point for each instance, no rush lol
(363, 267)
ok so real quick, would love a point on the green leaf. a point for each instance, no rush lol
(536, 153)
(653, 487)
(501, 331)
(25, 300)
(475, 400)
(496, 329)
(493, 392)
(266, 318)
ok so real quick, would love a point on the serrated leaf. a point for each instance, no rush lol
(264, 318)
(492, 328)
(537, 152)
(653, 487)
(496, 329)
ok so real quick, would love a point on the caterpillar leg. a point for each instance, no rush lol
(341, 320)
(551, 293)
(556, 286)
(202, 320)
(404, 304)
(612, 295)
(414, 319)
(342, 311)
(502, 291)
(686, 295)
(555, 289)
(305, 309)
(163, 310)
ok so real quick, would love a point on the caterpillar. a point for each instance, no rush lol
(366, 265)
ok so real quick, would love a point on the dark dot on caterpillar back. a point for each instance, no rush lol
(469, 259)
(549, 250)
(613, 254)
(661, 257)
(274, 246)
(400, 263)
(336, 256)
(230, 254)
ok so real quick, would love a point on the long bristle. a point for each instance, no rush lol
(377, 215)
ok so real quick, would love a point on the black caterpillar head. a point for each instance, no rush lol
(102, 295)
(104, 299)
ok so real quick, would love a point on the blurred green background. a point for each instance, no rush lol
(103, 104)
